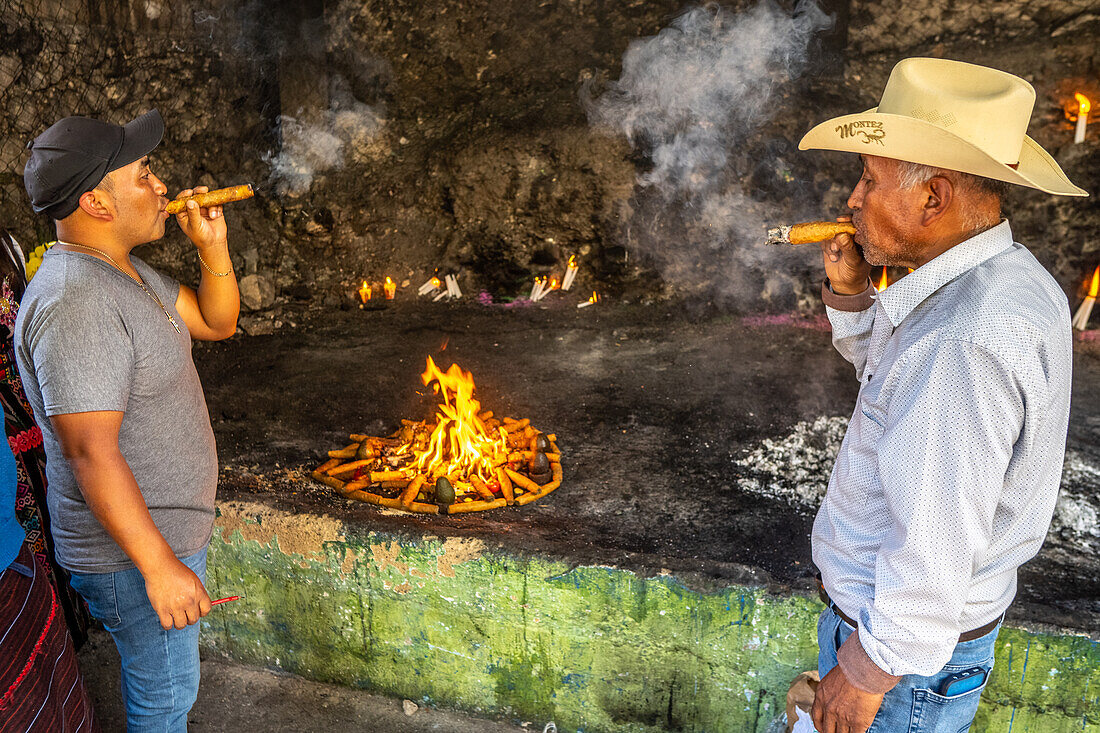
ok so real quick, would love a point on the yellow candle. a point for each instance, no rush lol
(391, 288)
(364, 292)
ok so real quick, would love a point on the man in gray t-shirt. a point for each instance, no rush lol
(130, 361)
(103, 344)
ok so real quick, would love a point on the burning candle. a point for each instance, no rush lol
(1081, 317)
(364, 292)
(1083, 107)
(591, 301)
(545, 285)
(430, 286)
(884, 281)
(391, 288)
(570, 273)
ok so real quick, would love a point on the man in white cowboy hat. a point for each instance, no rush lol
(947, 478)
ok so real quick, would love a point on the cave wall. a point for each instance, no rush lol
(454, 136)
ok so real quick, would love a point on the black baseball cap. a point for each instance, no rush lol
(74, 154)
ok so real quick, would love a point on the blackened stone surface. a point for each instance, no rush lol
(652, 407)
(486, 164)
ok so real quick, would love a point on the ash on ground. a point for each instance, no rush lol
(797, 468)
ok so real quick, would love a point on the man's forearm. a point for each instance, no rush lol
(218, 296)
(112, 493)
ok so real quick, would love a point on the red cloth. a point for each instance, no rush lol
(40, 684)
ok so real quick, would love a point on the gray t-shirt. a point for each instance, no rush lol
(88, 339)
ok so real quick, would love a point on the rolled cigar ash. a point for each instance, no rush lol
(212, 198)
(811, 231)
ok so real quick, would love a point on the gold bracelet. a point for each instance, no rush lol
(207, 267)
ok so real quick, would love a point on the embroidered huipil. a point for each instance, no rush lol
(947, 478)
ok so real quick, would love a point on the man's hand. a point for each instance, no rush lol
(840, 707)
(203, 226)
(177, 595)
(845, 267)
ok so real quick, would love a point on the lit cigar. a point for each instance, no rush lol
(212, 198)
(811, 231)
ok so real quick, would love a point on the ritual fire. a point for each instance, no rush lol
(461, 460)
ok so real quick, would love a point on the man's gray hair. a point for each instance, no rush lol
(911, 175)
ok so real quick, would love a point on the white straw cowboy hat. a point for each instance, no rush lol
(952, 115)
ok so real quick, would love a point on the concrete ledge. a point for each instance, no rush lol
(455, 623)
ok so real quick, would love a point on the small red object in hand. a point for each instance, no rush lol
(225, 600)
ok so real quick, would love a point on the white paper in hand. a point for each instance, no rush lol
(803, 724)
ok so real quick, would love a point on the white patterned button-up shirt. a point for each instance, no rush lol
(949, 472)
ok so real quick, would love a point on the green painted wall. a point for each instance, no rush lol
(592, 648)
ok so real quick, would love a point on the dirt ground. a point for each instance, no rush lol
(652, 407)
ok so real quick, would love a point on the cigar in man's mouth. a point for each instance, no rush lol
(811, 231)
(212, 198)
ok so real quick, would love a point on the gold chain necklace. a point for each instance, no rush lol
(140, 284)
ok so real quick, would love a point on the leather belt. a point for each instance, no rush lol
(964, 636)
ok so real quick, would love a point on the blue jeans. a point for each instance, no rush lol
(160, 668)
(914, 705)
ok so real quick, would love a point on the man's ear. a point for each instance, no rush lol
(941, 193)
(96, 205)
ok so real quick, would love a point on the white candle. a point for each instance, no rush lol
(1083, 107)
(570, 273)
(429, 286)
(1081, 317)
(455, 290)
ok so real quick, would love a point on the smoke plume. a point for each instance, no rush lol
(696, 100)
(327, 142)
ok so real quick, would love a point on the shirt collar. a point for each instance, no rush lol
(902, 297)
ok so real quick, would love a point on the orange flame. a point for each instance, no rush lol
(437, 283)
(595, 298)
(572, 265)
(1083, 104)
(460, 444)
(554, 284)
(391, 288)
(1094, 287)
(884, 281)
(364, 292)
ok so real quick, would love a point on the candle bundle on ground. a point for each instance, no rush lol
(430, 286)
(447, 288)
(464, 460)
(452, 286)
(1081, 317)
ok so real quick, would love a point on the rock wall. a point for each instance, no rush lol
(395, 138)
